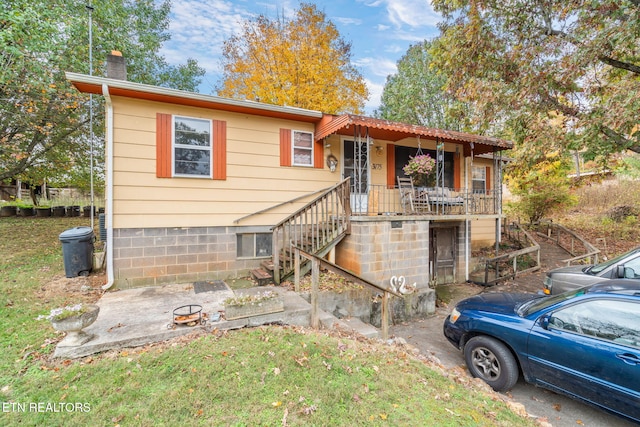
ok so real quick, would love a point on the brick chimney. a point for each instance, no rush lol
(116, 66)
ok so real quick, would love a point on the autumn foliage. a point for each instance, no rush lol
(299, 62)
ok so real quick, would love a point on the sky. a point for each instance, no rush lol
(380, 32)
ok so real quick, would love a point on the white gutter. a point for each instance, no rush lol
(109, 187)
(116, 84)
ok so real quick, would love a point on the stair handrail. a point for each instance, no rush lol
(295, 199)
(318, 262)
(343, 183)
(324, 220)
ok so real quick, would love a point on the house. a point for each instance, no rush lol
(200, 187)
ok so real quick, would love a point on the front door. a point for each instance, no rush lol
(356, 166)
(442, 254)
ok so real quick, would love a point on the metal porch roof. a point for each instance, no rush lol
(395, 131)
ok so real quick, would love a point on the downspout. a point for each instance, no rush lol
(467, 237)
(109, 187)
(468, 173)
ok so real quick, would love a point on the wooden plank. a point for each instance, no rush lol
(385, 316)
(315, 285)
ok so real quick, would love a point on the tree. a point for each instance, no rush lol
(554, 74)
(43, 120)
(542, 189)
(300, 62)
(415, 94)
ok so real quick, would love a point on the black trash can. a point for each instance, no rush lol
(77, 251)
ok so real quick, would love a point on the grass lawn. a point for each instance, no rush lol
(272, 375)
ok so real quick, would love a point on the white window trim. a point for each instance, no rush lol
(484, 171)
(293, 149)
(190, 147)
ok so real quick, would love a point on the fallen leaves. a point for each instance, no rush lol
(302, 360)
(308, 410)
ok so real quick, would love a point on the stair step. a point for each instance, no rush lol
(262, 276)
(267, 264)
(354, 324)
(361, 327)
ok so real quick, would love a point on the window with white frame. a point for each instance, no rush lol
(192, 147)
(302, 147)
(254, 245)
(479, 179)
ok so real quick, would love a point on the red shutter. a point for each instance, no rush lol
(391, 166)
(318, 155)
(285, 147)
(163, 145)
(456, 172)
(487, 179)
(219, 157)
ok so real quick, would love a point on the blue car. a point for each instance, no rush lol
(583, 343)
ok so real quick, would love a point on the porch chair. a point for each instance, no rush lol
(412, 201)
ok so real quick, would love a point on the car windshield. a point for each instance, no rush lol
(547, 301)
(600, 267)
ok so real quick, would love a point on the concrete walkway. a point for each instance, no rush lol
(139, 316)
(135, 317)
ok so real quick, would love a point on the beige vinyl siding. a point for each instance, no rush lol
(483, 233)
(255, 179)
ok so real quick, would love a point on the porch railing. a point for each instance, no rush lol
(316, 228)
(385, 200)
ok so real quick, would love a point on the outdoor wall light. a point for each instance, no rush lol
(332, 162)
(379, 150)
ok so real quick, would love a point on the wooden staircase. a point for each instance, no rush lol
(263, 275)
(316, 228)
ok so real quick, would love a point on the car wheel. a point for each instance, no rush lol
(491, 361)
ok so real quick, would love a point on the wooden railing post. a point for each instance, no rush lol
(275, 254)
(385, 315)
(315, 285)
(296, 274)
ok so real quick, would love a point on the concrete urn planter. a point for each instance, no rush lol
(74, 326)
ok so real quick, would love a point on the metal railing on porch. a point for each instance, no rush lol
(317, 227)
(386, 200)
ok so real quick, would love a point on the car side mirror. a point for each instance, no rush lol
(620, 272)
(544, 321)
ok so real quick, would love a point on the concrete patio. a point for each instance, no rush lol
(139, 316)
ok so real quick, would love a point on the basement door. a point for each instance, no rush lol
(442, 254)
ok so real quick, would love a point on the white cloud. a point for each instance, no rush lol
(415, 13)
(199, 28)
(346, 21)
(375, 95)
(376, 66)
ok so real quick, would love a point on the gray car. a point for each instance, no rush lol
(625, 266)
